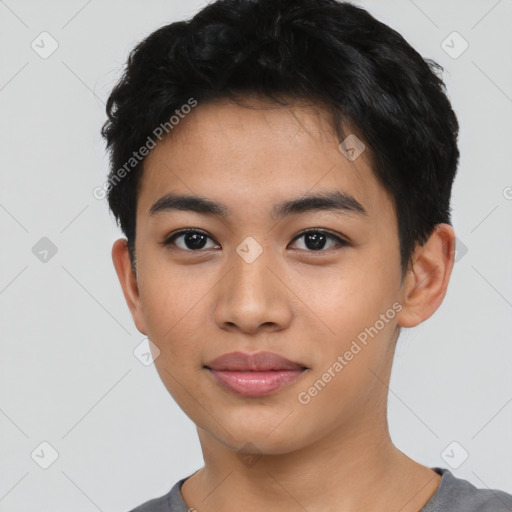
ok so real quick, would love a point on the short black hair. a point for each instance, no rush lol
(327, 52)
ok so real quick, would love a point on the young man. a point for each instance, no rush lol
(282, 171)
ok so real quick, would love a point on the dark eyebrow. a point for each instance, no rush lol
(171, 202)
(334, 201)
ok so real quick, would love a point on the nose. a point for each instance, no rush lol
(254, 295)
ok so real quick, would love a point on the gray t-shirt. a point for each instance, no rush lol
(452, 495)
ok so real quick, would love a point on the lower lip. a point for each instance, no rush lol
(255, 383)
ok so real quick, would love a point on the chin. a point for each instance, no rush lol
(263, 438)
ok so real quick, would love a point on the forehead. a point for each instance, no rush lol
(256, 154)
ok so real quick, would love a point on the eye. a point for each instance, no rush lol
(189, 240)
(194, 240)
(316, 239)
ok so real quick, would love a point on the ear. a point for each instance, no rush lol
(427, 278)
(128, 279)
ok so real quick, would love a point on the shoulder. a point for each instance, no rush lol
(154, 505)
(170, 502)
(458, 495)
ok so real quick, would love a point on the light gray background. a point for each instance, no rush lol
(68, 375)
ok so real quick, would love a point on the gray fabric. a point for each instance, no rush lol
(452, 495)
(457, 495)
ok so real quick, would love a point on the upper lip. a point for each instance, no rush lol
(258, 361)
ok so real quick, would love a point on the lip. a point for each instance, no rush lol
(255, 374)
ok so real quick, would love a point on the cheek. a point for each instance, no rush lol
(166, 289)
(360, 313)
(175, 318)
(348, 301)
(346, 381)
(174, 310)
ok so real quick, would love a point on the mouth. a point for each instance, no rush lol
(254, 375)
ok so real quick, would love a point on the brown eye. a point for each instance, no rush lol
(316, 240)
(189, 240)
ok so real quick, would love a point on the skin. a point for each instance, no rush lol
(335, 452)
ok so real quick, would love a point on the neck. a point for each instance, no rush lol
(343, 471)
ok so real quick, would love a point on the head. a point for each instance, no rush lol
(282, 116)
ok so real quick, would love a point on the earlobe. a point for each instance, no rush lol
(128, 281)
(428, 276)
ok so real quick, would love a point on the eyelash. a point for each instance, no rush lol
(170, 239)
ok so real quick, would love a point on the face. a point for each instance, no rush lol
(263, 269)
